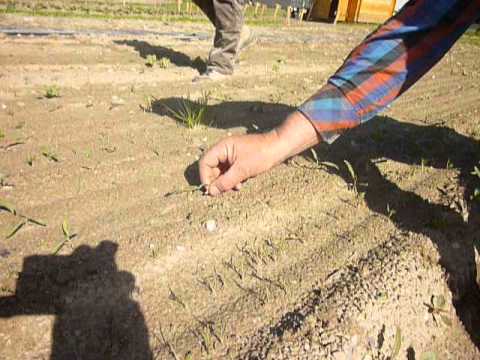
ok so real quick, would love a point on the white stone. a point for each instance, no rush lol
(211, 225)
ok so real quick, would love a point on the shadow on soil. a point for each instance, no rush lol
(454, 234)
(178, 58)
(452, 223)
(95, 315)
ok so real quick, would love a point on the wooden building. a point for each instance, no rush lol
(369, 11)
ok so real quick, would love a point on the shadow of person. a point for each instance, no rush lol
(95, 315)
(176, 57)
(255, 116)
(451, 226)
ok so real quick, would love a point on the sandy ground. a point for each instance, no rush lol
(297, 267)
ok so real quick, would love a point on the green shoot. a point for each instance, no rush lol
(148, 104)
(430, 355)
(437, 308)
(390, 212)
(67, 236)
(30, 160)
(151, 60)
(16, 229)
(2, 134)
(52, 92)
(190, 113)
(50, 155)
(353, 175)
(398, 343)
(7, 207)
(164, 62)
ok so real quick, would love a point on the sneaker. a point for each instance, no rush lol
(209, 75)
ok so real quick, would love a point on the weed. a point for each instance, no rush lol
(50, 155)
(164, 62)
(430, 355)
(52, 91)
(172, 296)
(191, 113)
(476, 191)
(30, 160)
(8, 207)
(16, 229)
(437, 308)
(353, 175)
(424, 163)
(397, 344)
(390, 212)
(67, 236)
(449, 165)
(147, 106)
(151, 60)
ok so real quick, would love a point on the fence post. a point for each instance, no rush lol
(289, 14)
(257, 5)
(277, 9)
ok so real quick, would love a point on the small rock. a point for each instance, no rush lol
(4, 106)
(181, 248)
(116, 101)
(211, 225)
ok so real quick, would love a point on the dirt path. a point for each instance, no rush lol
(298, 266)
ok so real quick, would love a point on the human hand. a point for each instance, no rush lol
(235, 159)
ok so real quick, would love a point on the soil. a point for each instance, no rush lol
(302, 263)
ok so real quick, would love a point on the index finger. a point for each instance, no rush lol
(209, 163)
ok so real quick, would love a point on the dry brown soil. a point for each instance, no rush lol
(298, 266)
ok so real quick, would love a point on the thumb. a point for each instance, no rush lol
(227, 181)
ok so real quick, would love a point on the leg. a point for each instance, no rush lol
(207, 7)
(228, 27)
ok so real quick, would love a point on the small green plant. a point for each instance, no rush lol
(429, 355)
(164, 62)
(449, 165)
(424, 163)
(397, 343)
(30, 160)
(2, 134)
(52, 91)
(190, 113)
(147, 106)
(437, 308)
(476, 191)
(50, 155)
(390, 212)
(67, 236)
(353, 176)
(151, 60)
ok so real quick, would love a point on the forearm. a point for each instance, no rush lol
(295, 135)
(387, 63)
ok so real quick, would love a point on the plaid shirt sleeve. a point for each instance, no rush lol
(388, 62)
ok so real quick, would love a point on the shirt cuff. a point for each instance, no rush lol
(330, 113)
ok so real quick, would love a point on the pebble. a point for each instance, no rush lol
(4, 106)
(211, 225)
(117, 101)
